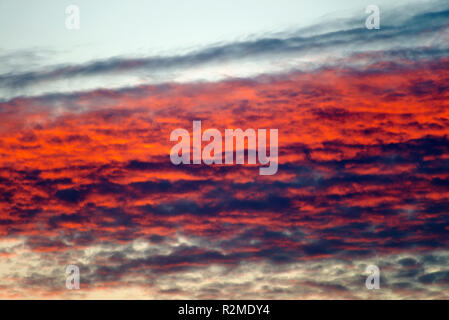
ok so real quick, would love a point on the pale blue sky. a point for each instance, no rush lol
(138, 27)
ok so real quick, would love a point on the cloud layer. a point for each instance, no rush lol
(86, 179)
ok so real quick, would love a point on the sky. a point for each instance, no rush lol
(85, 171)
(111, 28)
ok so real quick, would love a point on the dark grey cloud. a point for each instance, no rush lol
(354, 36)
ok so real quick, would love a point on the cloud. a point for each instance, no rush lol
(424, 32)
(85, 178)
